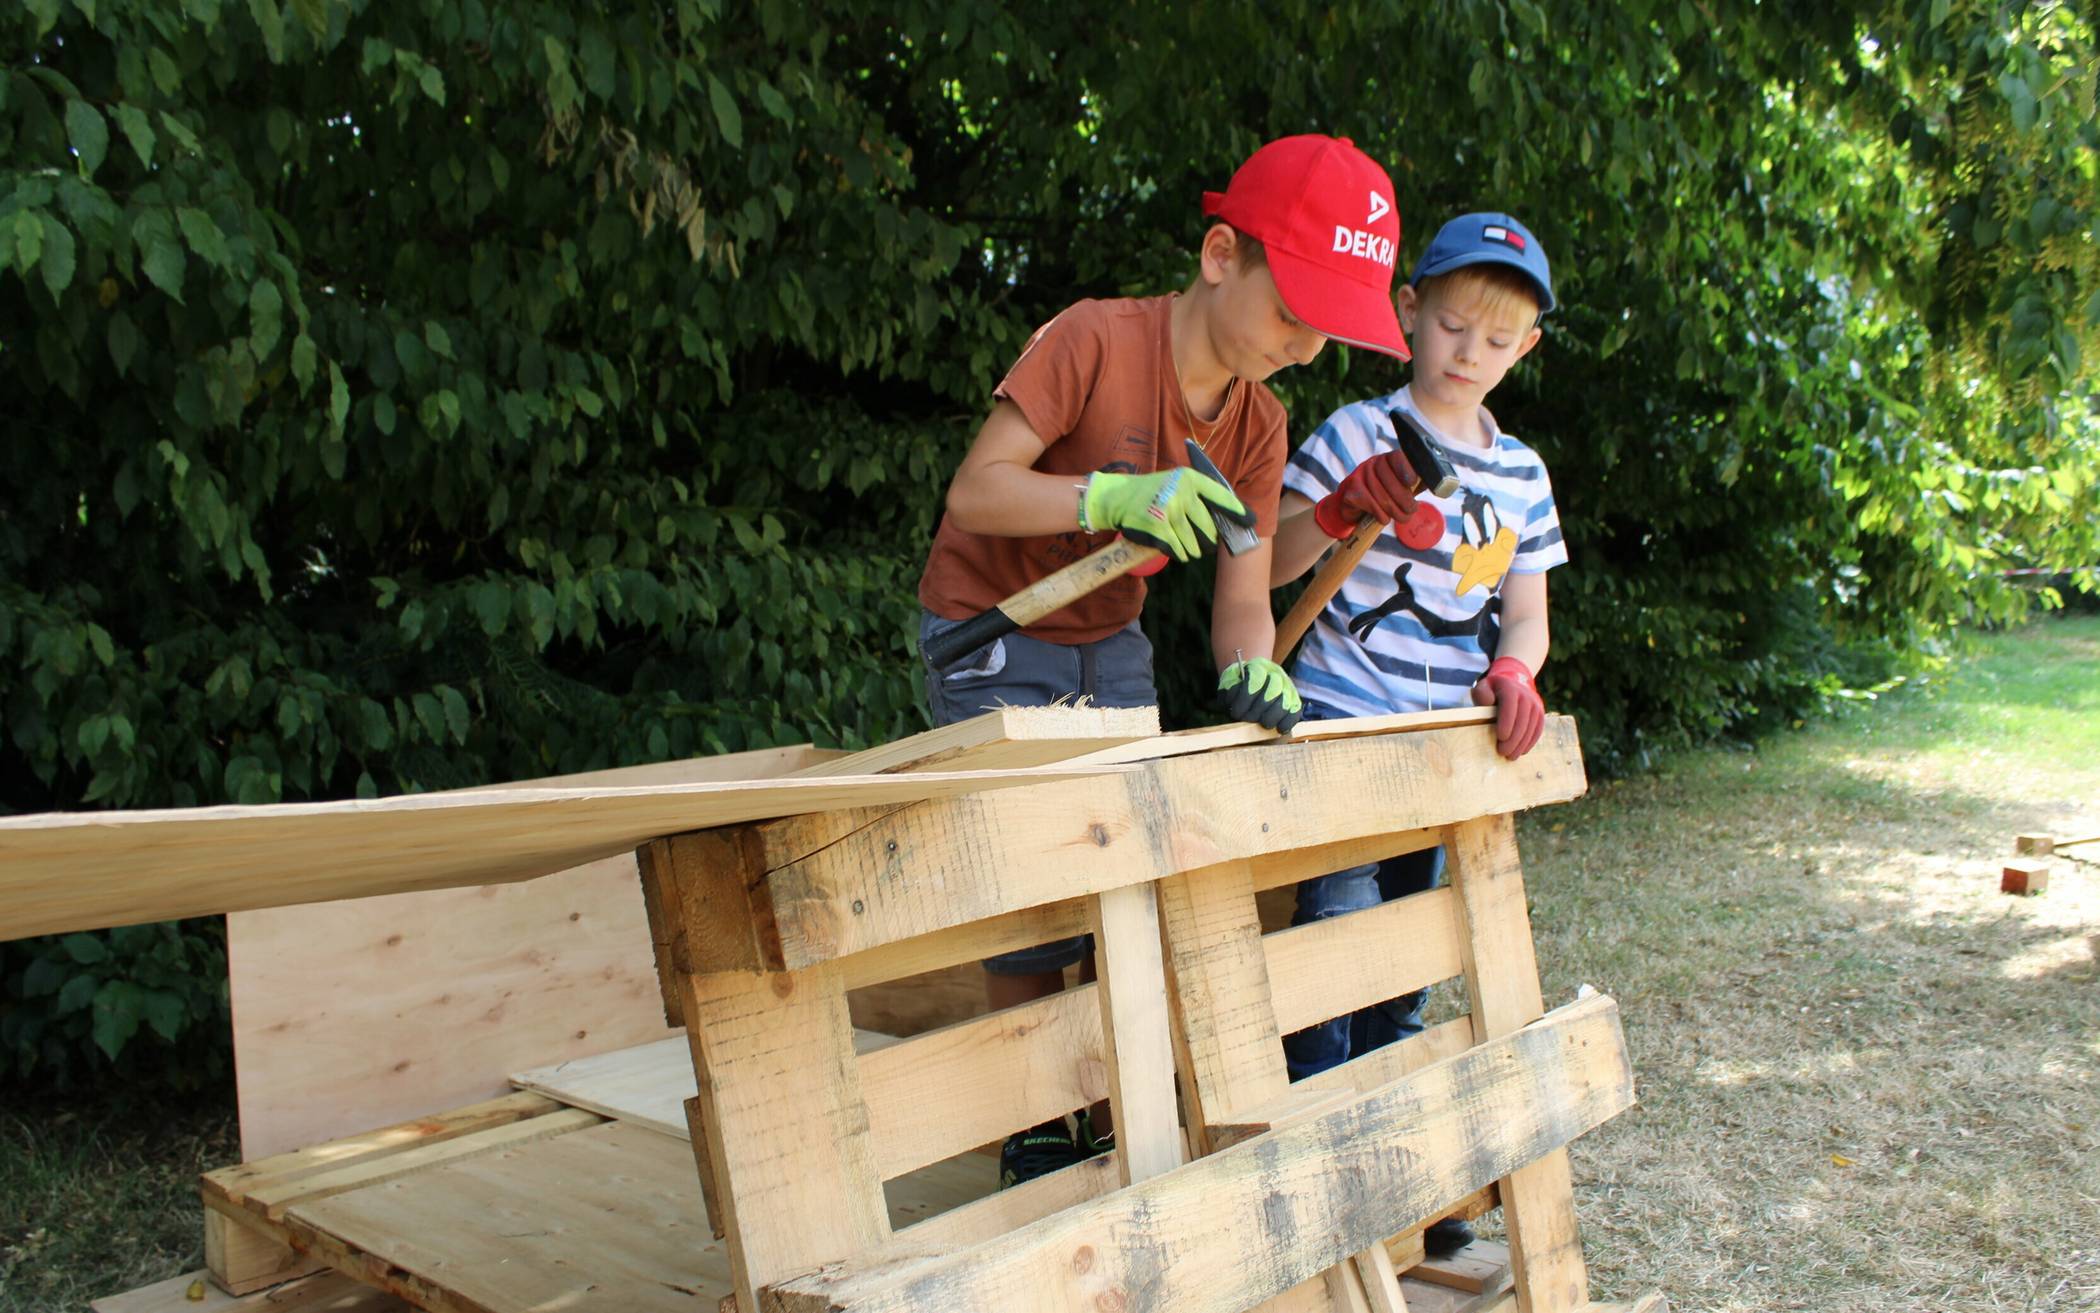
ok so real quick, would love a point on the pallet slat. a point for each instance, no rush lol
(1433, 1137)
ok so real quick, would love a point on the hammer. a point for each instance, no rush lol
(1434, 475)
(1053, 592)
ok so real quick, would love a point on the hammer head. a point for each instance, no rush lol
(1237, 537)
(1430, 463)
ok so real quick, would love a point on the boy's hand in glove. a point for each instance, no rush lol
(1170, 510)
(1260, 691)
(1519, 714)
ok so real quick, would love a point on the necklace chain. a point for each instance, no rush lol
(1181, 390)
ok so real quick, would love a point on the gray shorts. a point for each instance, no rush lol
(1019, 671)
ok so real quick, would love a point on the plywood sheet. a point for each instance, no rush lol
(362, 1013)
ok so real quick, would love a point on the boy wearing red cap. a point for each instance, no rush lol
(1450, 603)
(1086, 441)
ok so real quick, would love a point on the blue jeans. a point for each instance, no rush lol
(1019, 671)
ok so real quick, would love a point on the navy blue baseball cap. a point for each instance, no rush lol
(1487, 239)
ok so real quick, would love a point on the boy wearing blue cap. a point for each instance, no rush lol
(1450, 603)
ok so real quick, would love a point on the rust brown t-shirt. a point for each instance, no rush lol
(1097, 385)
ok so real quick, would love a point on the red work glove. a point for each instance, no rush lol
(1519, 715)
(1382, 486)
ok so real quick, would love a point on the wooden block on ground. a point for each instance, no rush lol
(1422, 1297)
(2030, 877)
(2034, 845)
(1478, 1268)
(243, 1258)
(327, 1292)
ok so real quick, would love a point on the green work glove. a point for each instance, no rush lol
(1170, 509)
(1259, 691)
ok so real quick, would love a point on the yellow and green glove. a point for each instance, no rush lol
(1260, 691)
(1171, 510)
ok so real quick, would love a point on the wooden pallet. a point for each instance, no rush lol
(1294, 1192)
(835, 1176)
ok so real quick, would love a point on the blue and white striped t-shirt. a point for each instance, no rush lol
(1412, 630)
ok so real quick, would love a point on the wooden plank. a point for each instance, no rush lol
(1478, 1268)
(1002, 1211)
(1383, 1066)
(1502, 983)
(273, 1175)
(1239, 734)
(66, 871)
(787, 1128)
(715, 768)
(243, 1258)
(272, 1202)
(951, 861)
(973, 942)
(1277, 869)
(1333, 967)
(192, 1292)
(495, 978)
(1004, 739)
(1381, 1283)
(928, 1097)
(948, 1090)
(1232, 1229)
(1228, 1048)
(1138, 1048)
(602, 1221)
(647, 1084)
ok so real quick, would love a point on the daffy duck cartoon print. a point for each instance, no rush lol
(1481, 559)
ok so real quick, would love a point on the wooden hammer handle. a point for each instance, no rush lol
(1325, 585)
(1050, 593)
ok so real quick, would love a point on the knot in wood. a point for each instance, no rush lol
(1083, 1259)
(1111, 1301)
(859, 907)
(1098, 833)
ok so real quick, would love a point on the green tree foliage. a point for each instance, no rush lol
(407, 396)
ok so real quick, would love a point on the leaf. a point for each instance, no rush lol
(166, 75)
(89, 133)
(384, 415)
(131, 120)
(727, 116)
(338, 397)
(203, 235)
(86, 949)
(117, 1013)
(78, 993)
(457, 718)
(492, 607)
(29, 239)
(304, 361)
(430, 715)
(440, 341)
(265, 318)
(313, 13)
(165, 1013)
(269, 19)
(58, 256)
(164, 264)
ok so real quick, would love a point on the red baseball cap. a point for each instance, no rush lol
(1324, 212)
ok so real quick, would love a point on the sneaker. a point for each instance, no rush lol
(1441, 1239)
(1090, 1144)
(1037, 1152)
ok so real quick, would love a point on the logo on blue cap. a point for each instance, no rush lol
(1487, 239)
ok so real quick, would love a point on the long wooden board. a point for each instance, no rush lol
(1291, 1203)
(79, 871)
(1003, 739)
(832, 884)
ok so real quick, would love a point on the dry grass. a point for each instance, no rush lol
(1868, 1080)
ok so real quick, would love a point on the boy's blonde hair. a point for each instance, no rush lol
(1497, 289)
